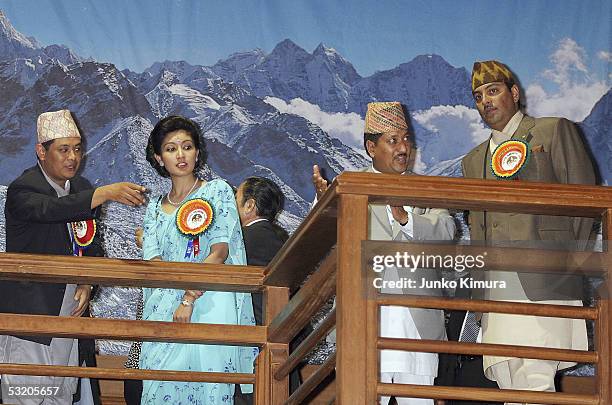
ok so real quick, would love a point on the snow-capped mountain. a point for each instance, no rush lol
(327, 79)
(323, 77)
(97, 94)
(425, 81)
(238, 62)
(597, 128)
(117, 109)
(62, 54)
(13, 44)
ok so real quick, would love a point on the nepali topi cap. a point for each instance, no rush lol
(56, 124)
(490, 71)
(384, 116)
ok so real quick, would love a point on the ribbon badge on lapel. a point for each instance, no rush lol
(83, 233)
(193, 219)
(509, 158)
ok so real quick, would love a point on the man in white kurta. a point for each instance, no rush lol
(389, 143)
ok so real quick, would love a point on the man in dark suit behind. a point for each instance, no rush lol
(259, 202)
(50, 210)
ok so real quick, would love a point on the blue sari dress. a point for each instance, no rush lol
(162, 238)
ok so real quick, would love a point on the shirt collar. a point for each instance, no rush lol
(498, 137)
(376, 171)
(61, 192)
(255, 221)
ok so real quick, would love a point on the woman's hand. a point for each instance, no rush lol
(218, 254)
(183, 313)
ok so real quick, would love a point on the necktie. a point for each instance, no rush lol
(471, 328)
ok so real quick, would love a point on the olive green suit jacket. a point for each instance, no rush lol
(557, 155)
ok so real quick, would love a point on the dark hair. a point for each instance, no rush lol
(370, 137)
(47, 144)
(509, 84)
(171, 124)
(269, 199)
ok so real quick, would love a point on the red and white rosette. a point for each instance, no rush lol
(192, 219)
(509, 158)
(83, 233)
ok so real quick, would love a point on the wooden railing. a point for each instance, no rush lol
(330, 241)
(340, 219)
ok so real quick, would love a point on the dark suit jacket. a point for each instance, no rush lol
(36, 222)
(261, 241)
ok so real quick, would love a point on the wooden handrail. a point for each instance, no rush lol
(317, 290)
(480, 195)
(307, 345)
(502, 307)
(338, 216)
(123, 272)
(59, 326)
(313, 381)
(485, 394)
(126, 373)
(436, 346)
(309, 243)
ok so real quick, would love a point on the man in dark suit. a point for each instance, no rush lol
(259, 202)
(51, 210)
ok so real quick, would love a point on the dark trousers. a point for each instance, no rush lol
(132, 391)
(469, 373)
(461, 371)
(87, 354)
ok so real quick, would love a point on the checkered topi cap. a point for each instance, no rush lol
(384, 116)
(56, 124)
(490, 71)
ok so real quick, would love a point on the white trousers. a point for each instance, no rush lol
(525, 374)
(61, 352)
(405, 378)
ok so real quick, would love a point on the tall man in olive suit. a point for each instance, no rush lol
(523, 148)
(50, 209)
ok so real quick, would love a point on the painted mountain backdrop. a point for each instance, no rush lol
(269, 114)
(251, 108)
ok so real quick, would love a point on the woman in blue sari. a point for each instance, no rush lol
(196, 221)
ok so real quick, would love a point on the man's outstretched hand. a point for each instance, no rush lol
(125, 193)
(318, 181)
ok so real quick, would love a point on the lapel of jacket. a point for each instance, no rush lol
(42, 181)
(522, 132)
(379, 214)
(478, 160)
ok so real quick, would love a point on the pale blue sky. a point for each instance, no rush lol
(373, 35)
